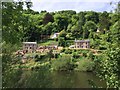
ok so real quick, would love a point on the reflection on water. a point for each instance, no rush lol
(46, 79)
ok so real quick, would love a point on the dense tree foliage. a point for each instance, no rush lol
(29, 25)
(110, 64)
(102, 28)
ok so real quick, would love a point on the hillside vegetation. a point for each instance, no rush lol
(102, 28)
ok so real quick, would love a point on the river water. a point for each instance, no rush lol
(46, 79)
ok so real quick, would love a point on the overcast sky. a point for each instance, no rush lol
(77, 5)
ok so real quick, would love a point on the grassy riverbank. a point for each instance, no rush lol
(66, 60)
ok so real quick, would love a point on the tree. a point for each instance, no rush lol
(104, 22)
(92, 16)
(48, 28)
(63, 34)
(13, 21)
(89, 27)
(111, 63)
(75, 31)
(81, 23)
(61, 21)
(12, 14)
(48, 18)
(50, 54)
(61, 41)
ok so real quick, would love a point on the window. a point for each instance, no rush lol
(26, 47)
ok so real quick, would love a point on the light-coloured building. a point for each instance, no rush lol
(82, 43)
(55, 35)
(29, 46)
(98, 31)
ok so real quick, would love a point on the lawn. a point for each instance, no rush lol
(49, 42)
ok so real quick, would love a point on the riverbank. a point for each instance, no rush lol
(67, 61)
(64, 60)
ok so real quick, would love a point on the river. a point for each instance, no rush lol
(46, 79)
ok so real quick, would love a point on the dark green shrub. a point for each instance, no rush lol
(102, 48)
(61, 41)
(75, 50)
(75, 55)
(79, 51)
(37, 58)
(36, 67)
(63, 50)
(42, 56)
(56, 55)
(50, 54)
(69, 42)
(74, 60)
(63, 63)
(68, 51)
(84, 54)
(99, 51)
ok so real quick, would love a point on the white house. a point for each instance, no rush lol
(55, 35)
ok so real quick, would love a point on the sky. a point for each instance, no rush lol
(76, 5)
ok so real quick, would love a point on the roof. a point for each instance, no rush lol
(82, 40)
(56, 33)
(29, 42)
(71, 46)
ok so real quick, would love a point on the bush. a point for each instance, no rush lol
(90, 55)
(56, 55)
(102, 48)
(75, 50)
(82, 51)
(84, 54)
(42, 56)
(68, 51)
(86, 65)
(63, 50)
(79, 51)
(61, 41)
(56, 39)
(50, 54)
(63, 33)
(69, 42)
(75, 55)
(74, 60)
(63, 63)
(37, 58)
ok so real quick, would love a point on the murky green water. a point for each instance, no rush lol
(45, 79)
